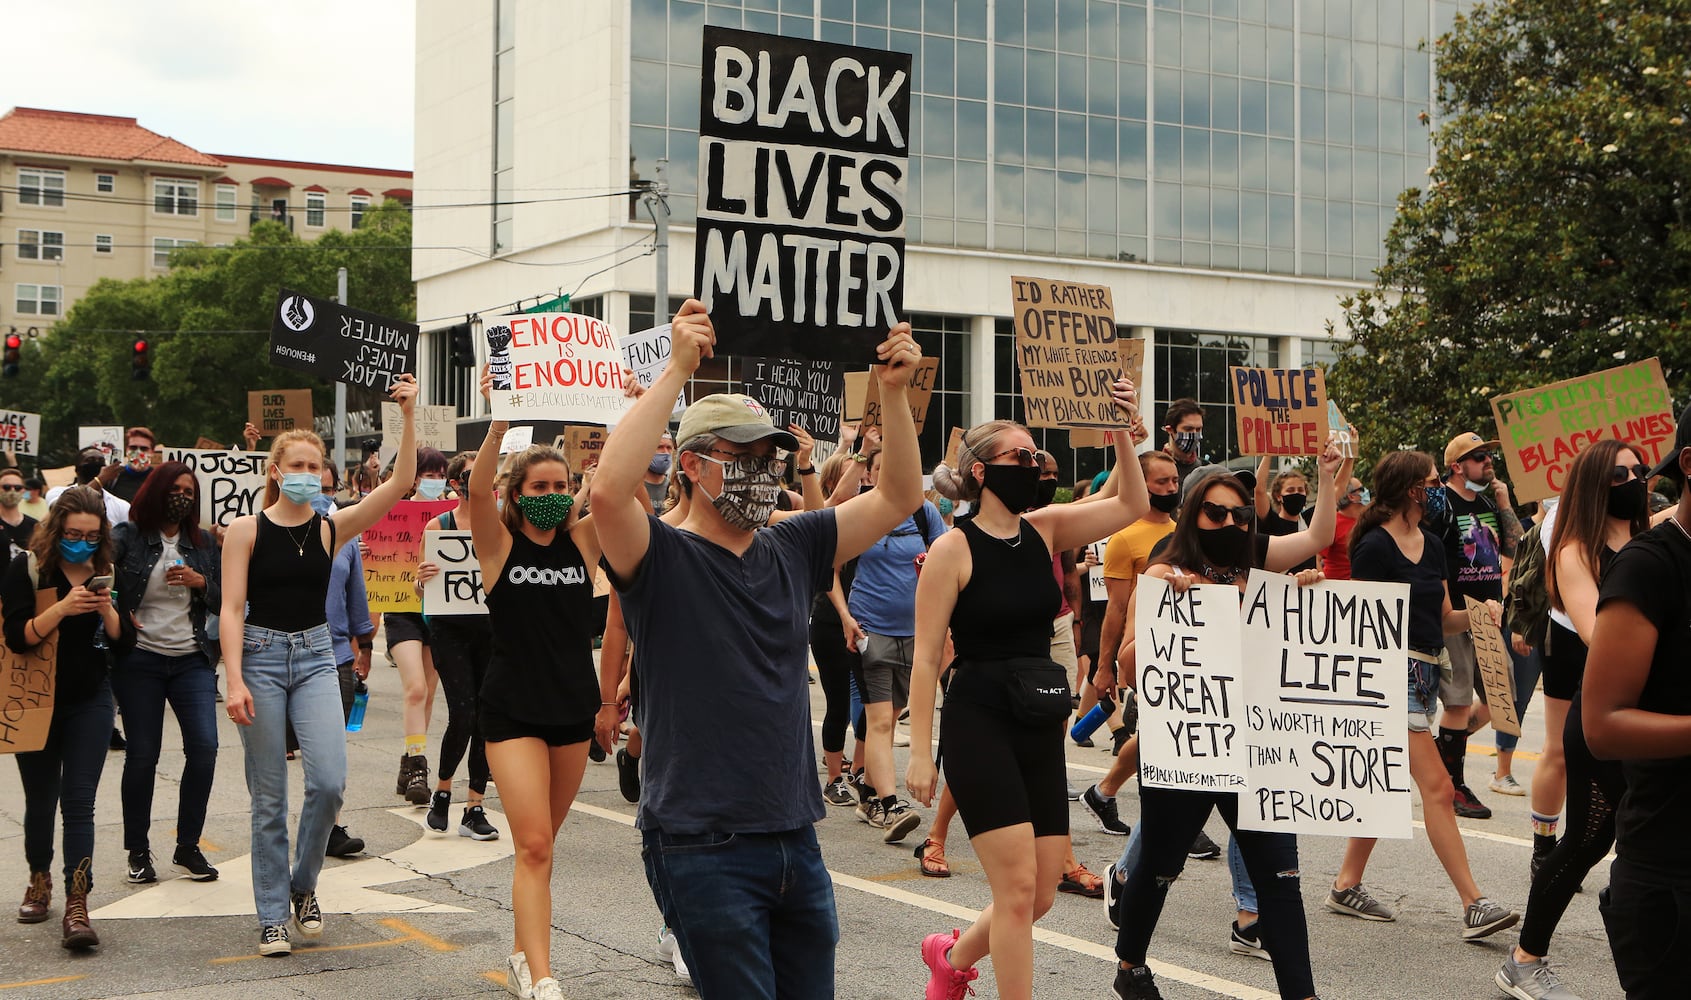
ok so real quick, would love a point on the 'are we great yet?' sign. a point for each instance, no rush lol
(803, 155)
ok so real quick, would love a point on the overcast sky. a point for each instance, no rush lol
(322, 80)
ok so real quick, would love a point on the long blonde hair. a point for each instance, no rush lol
(273, 484)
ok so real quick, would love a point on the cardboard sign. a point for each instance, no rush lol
(108, 439)
(394, 548)
(953, 445)
(20, 432)
(1069, 351)
(647, 354)
(456, 589)
(329, 340)
(1279, 411)
(807, 393)
(920, 394)
(1344, 434)
(231, 482)
(1326, 742)
(583, 445)
(273, 411)
(1543, 429)
(561, 366)
(203, 443)
(27, 682)
(803, 155)
(1089, 439)
(1191, 713)
(1097, 590)
(856, 394)
(437, 428)
(55, 478)
(516, 439)
(1497, 670)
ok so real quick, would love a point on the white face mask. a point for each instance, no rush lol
(431, 489)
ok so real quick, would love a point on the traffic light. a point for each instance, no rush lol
(14, 355)
(141, 361)
(463, 347)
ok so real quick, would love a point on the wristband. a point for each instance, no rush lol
(607, 704)
(860, 458)
(807, 471)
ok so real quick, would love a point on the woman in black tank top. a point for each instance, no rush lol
(991, 583)
(540, 699)
(281, 664)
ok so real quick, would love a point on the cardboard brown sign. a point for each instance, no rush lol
(206, 444)
(1497, 673)
(921, 393)
(1279, 411)
(27, 681)
(1069, 351)
(952, 445)
(856, 392)
(1543, 429)
(55, 478)
(273, 411)
(1079, 438)
(582, 445)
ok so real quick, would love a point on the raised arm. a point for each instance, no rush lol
(356, 519)
(1069, 526)
(810, 483)
(1264, 502)
(869, 516)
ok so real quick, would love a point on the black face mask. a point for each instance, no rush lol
(1046, 493)
(1168, 503)
(1015, 486)
(86, 471)
(1293, 503)
(1225, 547)
(1629, 500)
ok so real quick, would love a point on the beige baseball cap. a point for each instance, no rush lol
(732, 417)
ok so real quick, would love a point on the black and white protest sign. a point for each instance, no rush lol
(803, 156)
(807, 393)
(231, 482)
(1326, 741)
(1191, 713)
(456, 589)
(647, 354)
(20, 432)
(325, 338)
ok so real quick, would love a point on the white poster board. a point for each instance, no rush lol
(516, 439)
(647, 352)
(1097, 589)
(231, 482)
(456, 589)
(1191, 715)
(437, 428)
(107, 439)
(556, 366)
(20, 432)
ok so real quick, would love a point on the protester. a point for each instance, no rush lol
(718, 609)
(89, 463)
(1637, 710)
(56, 591)
(410, 645)
(1335, 558)
(1183, 423)
(993, 585)
(1280, 506)
(657, 472)
(347, 610)
(16, 527)
(34, 503)
(837, 659)
(168, 582)
(280, 661)
(124, 480)
(1391, 543)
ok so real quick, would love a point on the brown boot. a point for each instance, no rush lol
(37, 899)
(78, 932)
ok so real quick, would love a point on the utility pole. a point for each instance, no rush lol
(657, 191)
(340, 390)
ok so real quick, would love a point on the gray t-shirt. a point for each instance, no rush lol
(166, 628)
(724, 662)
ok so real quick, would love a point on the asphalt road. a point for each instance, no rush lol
(430, 914)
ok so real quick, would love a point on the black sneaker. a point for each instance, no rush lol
(1112, 897)
(343, 844)
(838, 792)
(118, 742)
(189, 859)
(475, 826)
(628, 774)
(308, 916)
(1136, 983)
(1103, 809)
(417, 786)
(273, 940)
(1118, 738)
(1204, 849)
(437, 811)
(1469, 807)
(860, 785)
(141, 867)
(1247, 940)
(595, 751)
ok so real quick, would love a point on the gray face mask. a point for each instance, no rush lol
(747, 498)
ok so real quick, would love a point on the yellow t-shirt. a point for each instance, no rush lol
(1130, 548)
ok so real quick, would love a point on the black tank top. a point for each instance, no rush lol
(288, 575)
(541, 611)
(1006, 609)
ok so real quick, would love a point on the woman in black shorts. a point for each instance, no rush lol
(991, 584)
(540, 699)
(410, 645)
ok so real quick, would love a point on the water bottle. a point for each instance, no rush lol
(360, 701)
(1089, 723)
(99, 640)
(177, 589)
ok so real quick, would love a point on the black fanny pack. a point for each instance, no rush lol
(1038, 691)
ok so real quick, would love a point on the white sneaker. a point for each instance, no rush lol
(669, 951)
(1507, 785)
(517, 979)
(548, 989)
(901, 737)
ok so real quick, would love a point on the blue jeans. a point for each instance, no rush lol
(1527, 670)
(62, 777)
(1244, 894)
(752, 912)
(292, 678)
(143, 682)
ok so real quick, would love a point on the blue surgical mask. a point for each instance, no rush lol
(431, 489)
(1367, 496)
(301, 487)
(323, 505)
(946, 505)
(659, 464)
(78, 551)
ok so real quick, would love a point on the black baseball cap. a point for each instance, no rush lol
(1669, 465)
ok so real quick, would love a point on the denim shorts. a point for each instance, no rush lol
(1423, 694)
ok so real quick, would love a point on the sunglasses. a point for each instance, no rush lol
(1622, 473)
(1476, 456)
(1242, 515)
(1024, 457)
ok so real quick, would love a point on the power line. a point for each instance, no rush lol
(295, 247)
(62, 196)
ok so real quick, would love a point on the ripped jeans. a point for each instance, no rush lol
(1170, 819)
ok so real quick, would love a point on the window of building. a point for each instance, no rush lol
(105, 183)
(41, 187)
(40, 244)
(39, 300)
(162, 245)
(103, 243)
(360, 205)
(504, 124)
(314, 208)
(225, 203)
(1194, 365)
(175, 197)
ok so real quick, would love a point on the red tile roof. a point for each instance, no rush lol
(270, 182)
(312, 165)
(359, 191)
(403, 194)
(226, 179)
(96, 137)
(314, 187)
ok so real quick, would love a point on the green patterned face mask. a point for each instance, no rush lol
(546, 510)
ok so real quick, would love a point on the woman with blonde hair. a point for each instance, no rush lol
(281, 663)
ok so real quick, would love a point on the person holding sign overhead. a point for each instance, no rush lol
(281, 662)
(410, 646)
(991, 583)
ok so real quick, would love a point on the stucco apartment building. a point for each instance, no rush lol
(86, 196)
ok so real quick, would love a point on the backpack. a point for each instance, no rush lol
(848, 572)
(1527, 604)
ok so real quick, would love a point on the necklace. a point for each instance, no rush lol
(299, 543)
(1221, 576)
(1013, 543)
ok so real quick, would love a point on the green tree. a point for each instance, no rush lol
(207, 322)
(1551, 238)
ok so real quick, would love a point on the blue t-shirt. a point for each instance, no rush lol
(725, 666)
(883, 595)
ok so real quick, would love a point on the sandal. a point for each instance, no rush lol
(933, 861)
(1082, 883)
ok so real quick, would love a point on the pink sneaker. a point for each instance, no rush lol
(945, 982)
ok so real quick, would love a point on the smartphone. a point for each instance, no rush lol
(100, 583)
